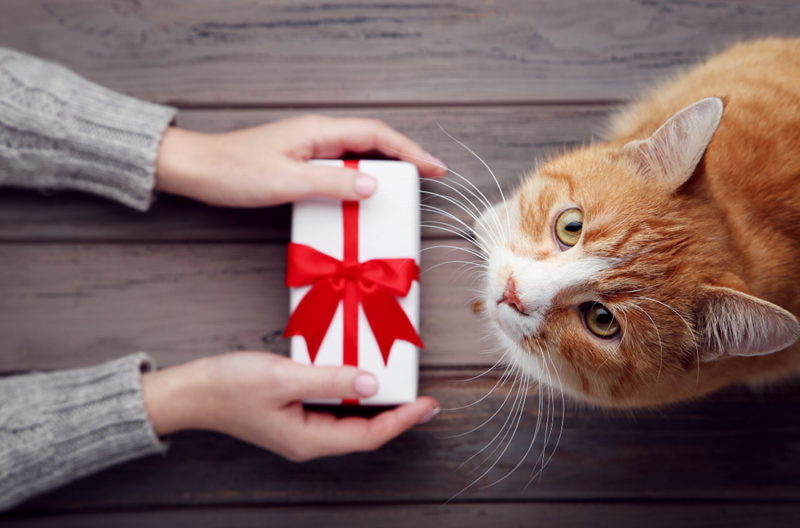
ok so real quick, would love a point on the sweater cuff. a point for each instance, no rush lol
(62, 131)
(57, 427)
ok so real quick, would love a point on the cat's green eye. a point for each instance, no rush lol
(569, 226)
(600, 321)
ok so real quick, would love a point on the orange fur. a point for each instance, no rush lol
(735, 223)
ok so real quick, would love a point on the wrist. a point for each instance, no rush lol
(183, 159)
(173, 397)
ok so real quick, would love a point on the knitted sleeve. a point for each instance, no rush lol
(60, 131)
(60, 426)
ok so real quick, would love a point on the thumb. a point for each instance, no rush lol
(336, 182)
(306, 381)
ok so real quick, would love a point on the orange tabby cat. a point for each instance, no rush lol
(665, 263)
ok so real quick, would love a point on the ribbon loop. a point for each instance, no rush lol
(379, 281)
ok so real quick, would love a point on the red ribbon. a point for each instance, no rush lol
(374, 284)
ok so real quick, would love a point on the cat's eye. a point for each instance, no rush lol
(569, 226)
(600, 321)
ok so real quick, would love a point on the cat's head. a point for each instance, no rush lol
(610, 273)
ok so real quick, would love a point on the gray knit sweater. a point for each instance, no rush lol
(59, 131)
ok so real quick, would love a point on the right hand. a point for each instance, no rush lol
(267, 164)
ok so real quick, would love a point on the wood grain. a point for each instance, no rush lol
(731, 447)
(510, 140)
(72, 305)
(316, 53)
(478, 515)
(84, 279)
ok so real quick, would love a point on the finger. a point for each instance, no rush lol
(362, 135)
(352, 434)
(303, 382)
(336, 182)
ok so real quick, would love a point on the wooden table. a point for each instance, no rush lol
(84, 280)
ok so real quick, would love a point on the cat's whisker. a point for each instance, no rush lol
(660, 344)
(448, 228)
(472, 210)
(462, 231)
(546, 460)
(483, 241)
(516, 427)
(475, 267)
(478, 267)
(466, 267)
(499, 432)
(481, 198)
(497, 365)
(516, 418)
(458, 203)
(457, 248)
(499, 187)
(534, 436)
(444, 226)
(463, 268)
(487, 206)
(540, 413)
(476, 271)
(563, 413)
(549, 407)
(691, 331)
(480, 195)
(484, 245)
(450, 199)
(481, 425)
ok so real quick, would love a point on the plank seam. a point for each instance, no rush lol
(286, 105)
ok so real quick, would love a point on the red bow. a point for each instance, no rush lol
(374, 284)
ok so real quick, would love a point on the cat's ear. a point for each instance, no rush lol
(732, 323)
(671, 154)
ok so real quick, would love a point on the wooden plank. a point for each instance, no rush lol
(533, 514)
(282, 53)
(510, 140)
(730, 447)
(70, 305)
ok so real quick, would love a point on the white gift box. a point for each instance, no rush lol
(388, 228)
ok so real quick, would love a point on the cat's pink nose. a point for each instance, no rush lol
(510, 297)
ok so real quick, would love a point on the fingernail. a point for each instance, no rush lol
(366, 385)
(436, 161)
(428, 416)
(366, 185)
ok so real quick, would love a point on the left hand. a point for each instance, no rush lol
(256, 397)
(266, 165)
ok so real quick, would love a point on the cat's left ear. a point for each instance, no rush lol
(671, 154)
(732, 323)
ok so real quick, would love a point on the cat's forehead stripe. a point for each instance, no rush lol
(539, 201)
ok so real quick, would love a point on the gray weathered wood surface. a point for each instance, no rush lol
(733, 447)
(83, 280)
(474, 515)
(228, 52)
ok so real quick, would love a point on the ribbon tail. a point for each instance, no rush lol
(388, 321)
(312, 317)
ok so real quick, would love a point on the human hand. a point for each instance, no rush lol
(266, 165)
(256, 397)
